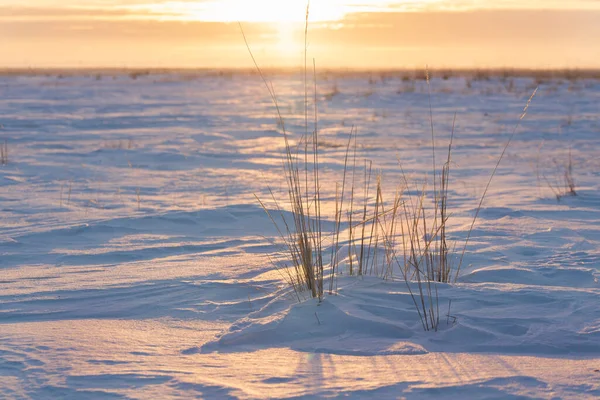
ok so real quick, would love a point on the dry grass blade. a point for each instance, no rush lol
(339, 206)
(302, 238)
(514, 132)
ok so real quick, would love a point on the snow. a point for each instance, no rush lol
(135, 257)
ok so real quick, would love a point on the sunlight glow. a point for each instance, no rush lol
(287, 45)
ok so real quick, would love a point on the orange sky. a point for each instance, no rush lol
(343, 33)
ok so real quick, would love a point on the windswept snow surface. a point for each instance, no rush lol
(135, 259)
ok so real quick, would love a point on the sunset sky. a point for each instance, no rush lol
(342, 33)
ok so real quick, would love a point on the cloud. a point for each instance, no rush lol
(12, 14)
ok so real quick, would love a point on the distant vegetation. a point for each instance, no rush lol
(371, 74)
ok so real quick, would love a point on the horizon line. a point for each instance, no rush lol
(591, 72)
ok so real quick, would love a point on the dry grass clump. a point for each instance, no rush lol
(405, 235)
(562, 183)
(119, 144)
(335, 90)
(4, 153)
